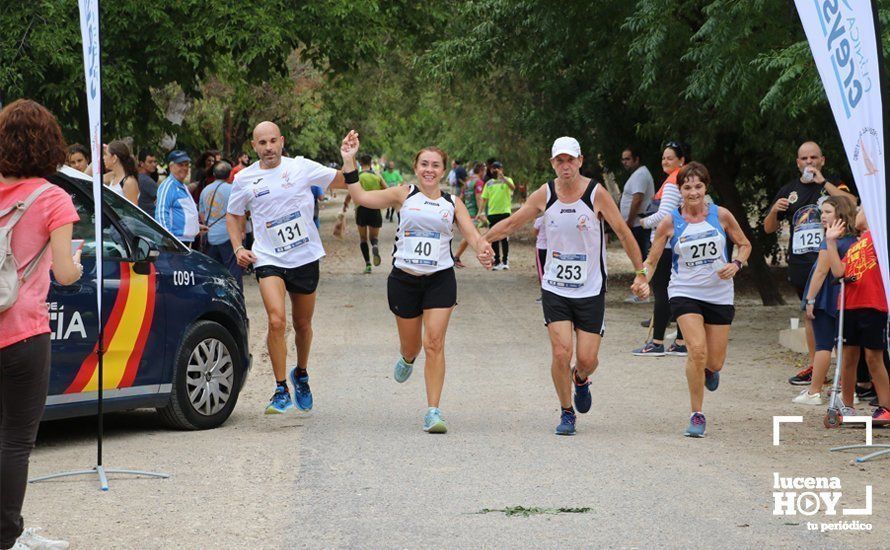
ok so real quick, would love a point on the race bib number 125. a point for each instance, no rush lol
(807, 238)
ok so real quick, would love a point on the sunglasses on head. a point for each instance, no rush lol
(675, 146)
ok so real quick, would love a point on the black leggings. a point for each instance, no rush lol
(505, 243)
(662, 314)
(24, 381)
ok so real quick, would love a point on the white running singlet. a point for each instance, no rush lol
(576, 249)
(281, 206)
(423, 239)
(699, 251)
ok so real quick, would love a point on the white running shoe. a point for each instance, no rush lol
(505, 266)
(848, 411)
(29, 539)
(807, 398)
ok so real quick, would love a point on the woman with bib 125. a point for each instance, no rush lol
(700, 291)
(421, 288)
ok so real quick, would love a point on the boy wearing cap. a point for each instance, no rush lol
(574, 279)
(175, 209)
(498, 195)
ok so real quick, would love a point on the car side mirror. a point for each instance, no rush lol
(145, 252)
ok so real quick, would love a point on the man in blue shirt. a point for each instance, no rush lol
(213, 206)
(175, 209)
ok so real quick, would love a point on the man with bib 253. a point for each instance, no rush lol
(798, 202)
(287, 247)
(574, 279)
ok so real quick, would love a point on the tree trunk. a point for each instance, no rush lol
(724, 169)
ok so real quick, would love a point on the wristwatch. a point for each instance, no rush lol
(738, 264)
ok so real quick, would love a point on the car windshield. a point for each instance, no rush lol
(141, 224)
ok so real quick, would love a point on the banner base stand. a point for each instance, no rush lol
(884, 450)
(101, 472)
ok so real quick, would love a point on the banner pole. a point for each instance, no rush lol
(89, 25)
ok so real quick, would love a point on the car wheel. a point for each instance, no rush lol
(207, 379)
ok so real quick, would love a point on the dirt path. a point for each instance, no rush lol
(361, 473)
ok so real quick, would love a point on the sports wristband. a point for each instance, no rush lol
(351, 177)
(738, 264)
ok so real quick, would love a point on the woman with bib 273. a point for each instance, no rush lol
(701, 289)
(422, 289)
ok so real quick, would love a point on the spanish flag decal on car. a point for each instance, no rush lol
(126, 332)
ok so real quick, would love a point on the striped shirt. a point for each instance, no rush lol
(668, 199)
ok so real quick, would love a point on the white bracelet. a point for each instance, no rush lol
(240, 248)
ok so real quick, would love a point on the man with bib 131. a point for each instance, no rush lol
(277, 191)
(798, 202)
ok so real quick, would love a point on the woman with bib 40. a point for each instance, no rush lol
(701, 287)
(422, 290)
(574, 278)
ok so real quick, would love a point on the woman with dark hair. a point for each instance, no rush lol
(667, 199)
(204, 172)
(41, 218)
(701, 288)
(121, 171)
(78, 158)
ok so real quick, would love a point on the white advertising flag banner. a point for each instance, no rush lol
(842, 38)
(89, 31)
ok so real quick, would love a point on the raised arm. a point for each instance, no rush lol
(832, 233)
(531, 209)
(383, 198)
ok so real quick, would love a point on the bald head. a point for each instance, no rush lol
(268, 144)
(809, 154)
(266, 128)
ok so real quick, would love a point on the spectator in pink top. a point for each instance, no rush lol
(31, 148)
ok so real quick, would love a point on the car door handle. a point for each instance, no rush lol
(66, 289)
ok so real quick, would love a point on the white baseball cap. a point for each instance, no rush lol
(565, 146)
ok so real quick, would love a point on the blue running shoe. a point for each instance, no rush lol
(280, 402)
(696, 425)
(403, 370)
(433, 422)
(712, 380)
(302, 393)
(651, 349)
(566, 424)
(582, 394)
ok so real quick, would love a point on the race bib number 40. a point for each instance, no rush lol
(567, 270)
(701, 248)
(807, 238)
(421, 248)
(288, 232)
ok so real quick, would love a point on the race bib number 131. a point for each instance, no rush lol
(288, 232)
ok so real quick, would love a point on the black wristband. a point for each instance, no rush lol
(351, 177)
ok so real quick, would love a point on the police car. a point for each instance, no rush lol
(175, 324)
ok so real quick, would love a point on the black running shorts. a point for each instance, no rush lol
(587, 314)
(866, 328)
(368, 217)
(714, 314)
(297, 280)
(410, 294)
